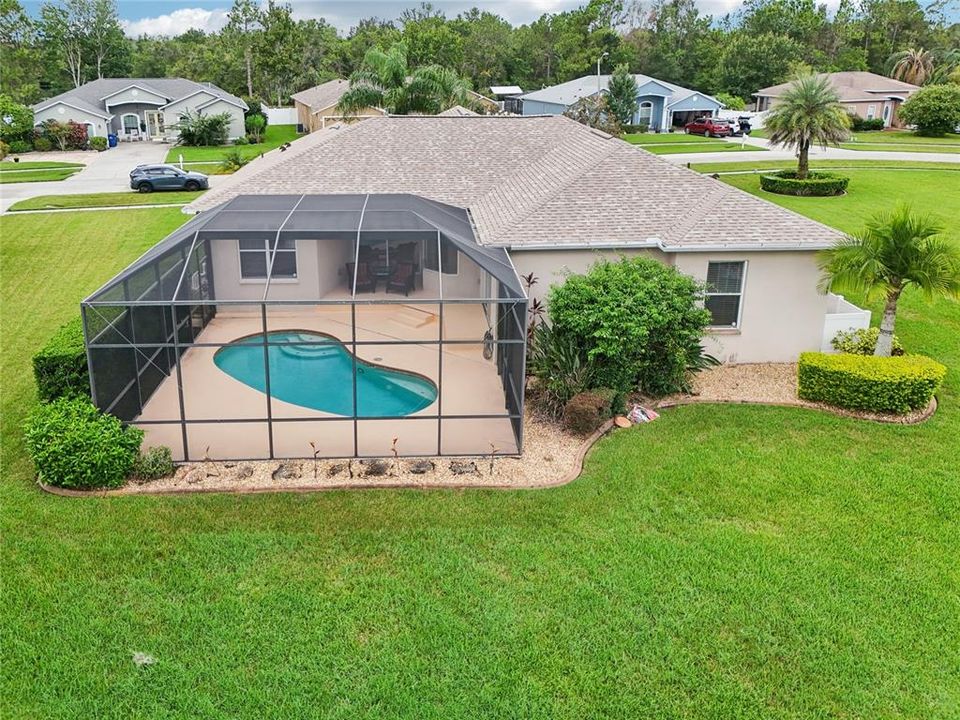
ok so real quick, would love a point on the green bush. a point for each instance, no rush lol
(733, 102)
(4, 149)
(256, 126)
(242, 140)
(639, 128)
(233, 160)
(201, 130)
(74, 445)
(42, 144)
(18, 147)
(859, 124)
(638, 321)
(561, 368)
(98, 143)
(817, 184)
(862, 341)
(60, 367)
(874, 384)
(586, 411)
(934, 109)
(155, 463)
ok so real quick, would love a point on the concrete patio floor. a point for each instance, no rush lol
(469, 385)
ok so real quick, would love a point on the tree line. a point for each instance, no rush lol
(264, 52)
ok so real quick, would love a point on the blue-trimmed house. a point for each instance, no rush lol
(662, 105)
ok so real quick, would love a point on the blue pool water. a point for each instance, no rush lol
(320, 376)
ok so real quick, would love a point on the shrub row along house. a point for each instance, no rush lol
(394, 249)
(140, 108)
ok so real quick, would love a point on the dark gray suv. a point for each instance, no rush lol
(147, 178)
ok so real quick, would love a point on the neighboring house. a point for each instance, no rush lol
(378, 266)
(485, 105)
(662, 105)
(140, 108)
(317, 106)
(862, 93)
(508, 96)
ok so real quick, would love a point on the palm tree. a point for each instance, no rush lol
(895, 250)
(808, 112)
(384, 80)
(913, 65)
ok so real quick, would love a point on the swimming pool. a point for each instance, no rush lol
(320, 375)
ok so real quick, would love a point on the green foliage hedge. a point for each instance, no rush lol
(816, 184)
(864, 382)
(859, 124)
(862, 341)
(98, 143)
(74, 445)
(638, 321)
(155, 463)
(934, 109)
(60, 367)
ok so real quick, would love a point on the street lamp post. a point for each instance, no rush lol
(605, 54)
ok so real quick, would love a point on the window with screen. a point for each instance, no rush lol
(448, 257)
(724, 293)
(255, 259)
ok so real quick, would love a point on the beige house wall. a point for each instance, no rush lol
(313, 119)
(782, 312)
(857, 108)
(64, 113)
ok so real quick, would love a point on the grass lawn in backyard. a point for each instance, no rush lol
(93, 200)
(724, 561)
(45, 175)
(275, 136)
(718, 167)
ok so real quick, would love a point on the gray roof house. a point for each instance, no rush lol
(140, 108)
(663, 105)
(367, 284)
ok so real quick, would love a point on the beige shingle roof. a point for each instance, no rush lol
(322, 96)
(852, 85)
(528, 181)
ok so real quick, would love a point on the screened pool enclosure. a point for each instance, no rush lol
(282, 326)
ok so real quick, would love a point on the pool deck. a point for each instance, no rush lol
(469, 385)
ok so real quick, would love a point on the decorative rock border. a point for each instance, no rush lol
(360, 484)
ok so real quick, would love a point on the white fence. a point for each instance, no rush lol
(841, 315)
(280, 115)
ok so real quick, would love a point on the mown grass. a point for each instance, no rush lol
(871, 191)
(676, 143)
(275, 136)
(10, 166)
(895, 141)
(852, 163)
(30, 176)
(739, 562)
(94, 200)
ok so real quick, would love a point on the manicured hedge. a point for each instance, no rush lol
(816, 184)
(60, 367)
(74, 445)
(864, 382)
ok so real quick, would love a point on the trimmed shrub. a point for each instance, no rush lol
(934, 109)
(242, 140)
(74, 445)
(874, 384)
(42, 144)
(60, 367)
(816, 184)
(18, 147)
(859, 124)
(4, 149)
(155, 463)
(98, 143)
(640, 128)
(862, 341)
(586, 411)
(638, 321)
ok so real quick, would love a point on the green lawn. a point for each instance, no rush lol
(54, 202)
(722, 562)
(276, 135)
(676, 143)
(10, 166)
(48, 175)
(722, 167)
(872, 191)
(895, 141)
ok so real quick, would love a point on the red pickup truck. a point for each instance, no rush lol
(709, 126)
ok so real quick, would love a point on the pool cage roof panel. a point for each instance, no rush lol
(356, 219)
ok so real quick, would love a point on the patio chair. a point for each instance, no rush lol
(365, 281)
(402, 278)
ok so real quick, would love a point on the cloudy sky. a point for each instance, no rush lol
(170, 17)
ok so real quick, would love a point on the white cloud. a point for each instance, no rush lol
(177, 22)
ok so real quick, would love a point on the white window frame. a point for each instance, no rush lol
(648, 104)
(123, 127)
(743, 288)
(267, 245)
(871, 112)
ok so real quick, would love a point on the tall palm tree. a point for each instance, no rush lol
(808, 112)
(384, 80)
(914, 65)
(895, 250)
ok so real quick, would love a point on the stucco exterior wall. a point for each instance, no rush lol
(782, 312)
(135, 95)
(64, 113)
(226, 273)
(237, 127)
